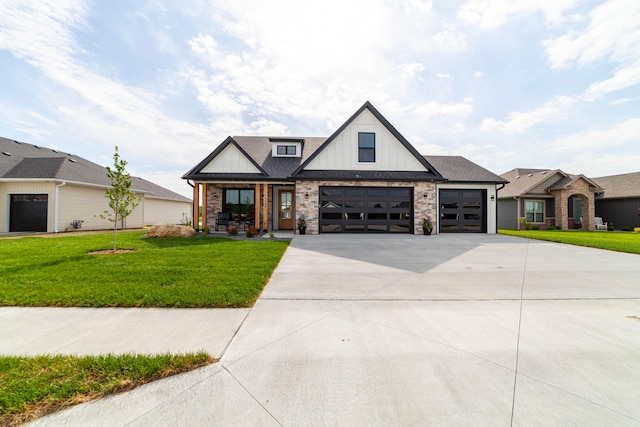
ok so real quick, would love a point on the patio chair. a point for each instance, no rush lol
(223, 219)
(601, 225)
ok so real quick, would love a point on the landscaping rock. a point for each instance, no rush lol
(170, 230)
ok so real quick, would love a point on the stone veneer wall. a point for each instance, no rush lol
(578, 188)
(422, 206)
(213, 205)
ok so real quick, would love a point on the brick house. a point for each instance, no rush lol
(365, 177)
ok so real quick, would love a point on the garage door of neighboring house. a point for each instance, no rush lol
(463, 211)
(366, 209)
(28, 212)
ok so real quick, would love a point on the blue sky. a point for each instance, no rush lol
(505, 83)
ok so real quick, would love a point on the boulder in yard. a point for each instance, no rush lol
(170, 230)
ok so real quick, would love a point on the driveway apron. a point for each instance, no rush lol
(417, 330)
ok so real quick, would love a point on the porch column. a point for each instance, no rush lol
(196, 205)
(265, 207)
(204, 205)
(256, 203)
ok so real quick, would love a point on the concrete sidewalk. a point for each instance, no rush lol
(413, 330)
(80, 331)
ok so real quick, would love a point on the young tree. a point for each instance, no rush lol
(122, 200)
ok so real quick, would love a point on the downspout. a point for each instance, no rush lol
(498, 189)
(56, 205)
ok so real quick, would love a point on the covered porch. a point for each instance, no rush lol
(266, 206)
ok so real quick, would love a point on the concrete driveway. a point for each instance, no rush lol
(415, 330)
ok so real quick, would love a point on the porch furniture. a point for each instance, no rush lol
(223, 218)
(601, 225)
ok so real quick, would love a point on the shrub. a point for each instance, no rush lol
(251, 232)
(627, 228)
(232, 231)
(526, 224)
(535, 227)
(636, 230)
(206, 231)
(272, 234)
(553, 227)
(610, 228)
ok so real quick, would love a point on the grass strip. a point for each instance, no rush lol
(168, 272)
(615, 241)
(31, 387)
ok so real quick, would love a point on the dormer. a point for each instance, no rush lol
(286, 147)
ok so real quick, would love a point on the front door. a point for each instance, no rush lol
(285, 210)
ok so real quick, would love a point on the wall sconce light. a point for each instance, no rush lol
(215, 196)
(493, 197)
(306, 194)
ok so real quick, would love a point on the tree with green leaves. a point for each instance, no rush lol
(122, 200)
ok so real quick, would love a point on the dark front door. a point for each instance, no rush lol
(366, 209)
(285, 210)
(463, 211)
(28, 212)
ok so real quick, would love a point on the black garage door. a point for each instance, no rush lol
(28, 212)
(366, 209)
(463, 211)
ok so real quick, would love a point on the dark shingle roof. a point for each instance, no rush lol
(20, 160)
(620, 186)
(460, 169)
(258, 150)
(525, 181)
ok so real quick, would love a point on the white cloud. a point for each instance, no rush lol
(451, 39)
(518, 121)
(494, 13)
(443, 75)
(477, 74)
(612, 34)
(410, 70)
(601, 140)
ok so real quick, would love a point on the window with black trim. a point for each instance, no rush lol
(286, 150)
(366, 147)
(239, 202)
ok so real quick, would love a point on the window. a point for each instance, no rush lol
(239, 202)
(286, 150)
(534, 211)
(366, 147)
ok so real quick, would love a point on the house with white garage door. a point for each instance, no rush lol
(364, 178)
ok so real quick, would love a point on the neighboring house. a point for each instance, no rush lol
(618, 201)
(364, 178)
(547, 197)
(48, 191)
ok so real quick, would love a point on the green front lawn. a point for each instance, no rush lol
(615, 241)
(169, 272)
(35, 386)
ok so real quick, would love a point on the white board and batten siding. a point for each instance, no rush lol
(342, 152)
(85, 203)
(167, 211)
(230, 160)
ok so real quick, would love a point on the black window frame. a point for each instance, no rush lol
(287, 150)
(240, 208)
(366, 147)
